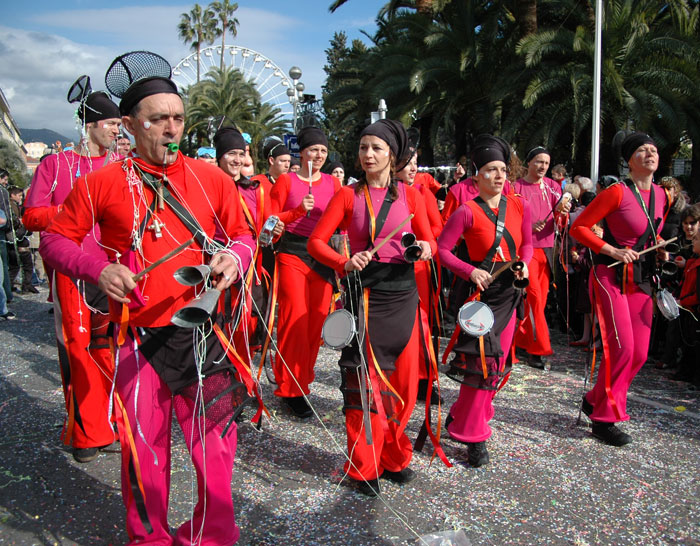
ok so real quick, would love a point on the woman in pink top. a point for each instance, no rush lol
(632, 215)
(304, 286)
(379, 368)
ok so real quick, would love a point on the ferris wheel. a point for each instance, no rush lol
(274, 86)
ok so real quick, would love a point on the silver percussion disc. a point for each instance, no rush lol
(667, 304)
(338, 329)
(475, 318)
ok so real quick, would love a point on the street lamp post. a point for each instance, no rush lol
(295, 93)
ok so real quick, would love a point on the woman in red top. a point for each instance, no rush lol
(482, 364)
(305, 286)
(382, 378)
(632, 215)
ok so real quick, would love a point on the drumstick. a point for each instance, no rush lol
(309, 164)
(505, 267)
(162, 260)
(648, 250)
(393, 232)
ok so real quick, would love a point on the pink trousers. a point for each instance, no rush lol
(473, 409)
(145, 413)
(625, 327)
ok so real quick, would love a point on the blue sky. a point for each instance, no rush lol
(45, 48)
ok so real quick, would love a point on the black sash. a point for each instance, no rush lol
(643, 269)
(501, 231)
(294, 244)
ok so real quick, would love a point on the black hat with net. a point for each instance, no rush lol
(137, 75)
(91, 106)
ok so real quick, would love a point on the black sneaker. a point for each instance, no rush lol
(299, 406)
(369, 487)
(586, 407)
(539, 362)
(610, 434)
(402, 476)
(9, 316)
(477, 454)
(29, 290)
(85, 454)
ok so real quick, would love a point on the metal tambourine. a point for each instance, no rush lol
(475, 318)
(338, 329)
(667, 304)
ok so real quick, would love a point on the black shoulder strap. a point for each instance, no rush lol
(501, 230)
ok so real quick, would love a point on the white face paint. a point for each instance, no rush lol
(386, 154)
(639, 155)
(146, 124)
(487, 176)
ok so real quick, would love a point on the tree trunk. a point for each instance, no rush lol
(526, 15)
(223, 45)
(426, 155)
(198, 52)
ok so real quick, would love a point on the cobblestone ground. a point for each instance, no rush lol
(549, 481)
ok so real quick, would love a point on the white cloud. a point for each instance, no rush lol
(37, 68)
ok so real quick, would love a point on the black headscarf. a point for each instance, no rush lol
(227, 139)
(335, 165)
(537, 150)
(632, 142)
(489, 148)
(394, 134)
(310, 136)
(143, 88)
(98, 106)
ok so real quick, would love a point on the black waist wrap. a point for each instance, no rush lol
(294, 244)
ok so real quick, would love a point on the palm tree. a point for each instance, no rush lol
(650, 77)
(196, 28)
(228, 23)
(227, 94)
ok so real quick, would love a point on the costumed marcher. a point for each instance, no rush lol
(294, 164)
(254, 196)
(279, 159)
(544, 197)
(497, 232)
(689, 366)
(148, 207)
(631, 213)
(428, 283)
(304, 287)
(80, 309)
(123, 145)
(379, 380)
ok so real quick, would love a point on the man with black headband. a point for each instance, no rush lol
(544, 197)
(81, 321)
(147, 208)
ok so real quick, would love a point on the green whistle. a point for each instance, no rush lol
(172, 147)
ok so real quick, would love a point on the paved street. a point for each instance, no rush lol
(549, 481)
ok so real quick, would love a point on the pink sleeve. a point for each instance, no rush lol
(459, 221)
(66, 256)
